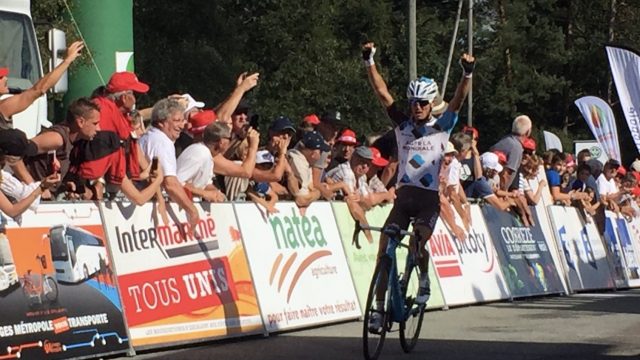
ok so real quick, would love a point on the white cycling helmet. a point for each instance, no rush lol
(422, 88)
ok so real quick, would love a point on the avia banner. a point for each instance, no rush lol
(582, 249)
(362, 261)
(468, 269)
(625, 68)
(599, 117)
(298, 265)
(180, 284)
(524, 255)
(57, 289)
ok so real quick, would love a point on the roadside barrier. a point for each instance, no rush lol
(90, 279)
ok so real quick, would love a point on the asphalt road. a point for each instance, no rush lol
(579, 327)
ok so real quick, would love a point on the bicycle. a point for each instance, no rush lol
(399, 304)
(39, 286)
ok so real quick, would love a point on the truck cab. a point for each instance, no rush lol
(19, 52)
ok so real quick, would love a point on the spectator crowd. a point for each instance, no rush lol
(182, 149)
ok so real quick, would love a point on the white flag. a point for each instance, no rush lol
(599, 117)
(552, 141)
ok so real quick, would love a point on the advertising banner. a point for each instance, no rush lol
(599, 116)
(625, 69)
(363, 261)
(180, 284)
(584, 255)
(524, 254)
(628, 251)
(57, 290)
(620, 275)
(468, 269)
(298, 265)
(633, 228)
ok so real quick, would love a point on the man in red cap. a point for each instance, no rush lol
(344, 147)
(378, 192)
(116, 103)
(19, 102)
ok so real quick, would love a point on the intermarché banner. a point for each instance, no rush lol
(181, 284)
(524, 254)
(57, 289)
(298, 265)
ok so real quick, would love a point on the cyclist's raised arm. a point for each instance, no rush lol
(375, 79)
(468, 63)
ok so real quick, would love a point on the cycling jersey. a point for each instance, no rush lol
(420, 148)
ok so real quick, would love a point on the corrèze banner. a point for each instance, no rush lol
(524, 254)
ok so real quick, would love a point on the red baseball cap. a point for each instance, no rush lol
(622, 171)
(502, 157)
(312, 119)
(529, 144)
(200, 120)
(378, 160)
(471, 129)
(123, 81)
(4, 71)
(348, 137)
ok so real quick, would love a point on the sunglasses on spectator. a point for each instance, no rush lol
(422, 103)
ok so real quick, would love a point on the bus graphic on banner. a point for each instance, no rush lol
(77, 254)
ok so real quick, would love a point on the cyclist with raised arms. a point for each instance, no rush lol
(421, 141)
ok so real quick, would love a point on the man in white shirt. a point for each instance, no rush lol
(607, 188)
(167, 120)
(195, 164)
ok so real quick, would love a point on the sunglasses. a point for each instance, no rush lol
(422, 103)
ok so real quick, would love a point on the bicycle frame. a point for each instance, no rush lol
(396, 305)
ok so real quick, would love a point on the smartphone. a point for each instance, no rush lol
(154, 164)
(53, 166)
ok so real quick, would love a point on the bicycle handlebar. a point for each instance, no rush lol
(391, 230)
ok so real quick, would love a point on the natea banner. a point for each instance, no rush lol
(57, 289)
(468, 268)
(298, 265)
(180, 283)
(602, 123)
(625, 68)
(524, 254)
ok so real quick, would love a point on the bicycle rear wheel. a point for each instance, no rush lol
(414, 314)
(372, 341)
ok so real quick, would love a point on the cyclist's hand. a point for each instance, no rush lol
(468, 63)
(368, 50)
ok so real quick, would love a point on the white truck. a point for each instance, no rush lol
(8, 273)
(19, 52)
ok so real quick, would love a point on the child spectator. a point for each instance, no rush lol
(261, 192)
(13, 147)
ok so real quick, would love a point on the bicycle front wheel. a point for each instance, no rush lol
(376, 311)
(414, 313)
(50, 288)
